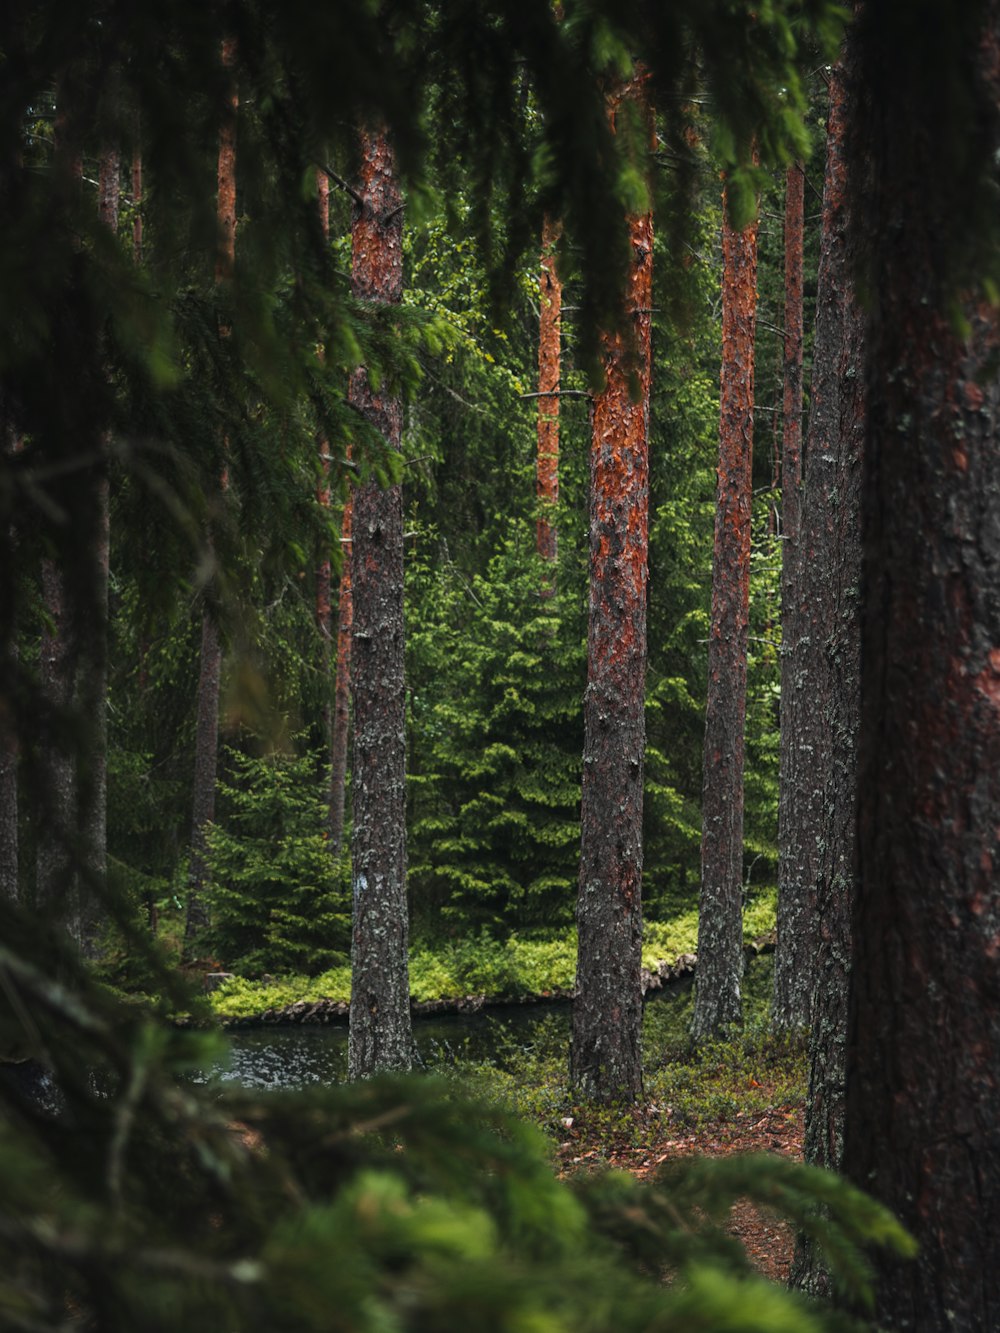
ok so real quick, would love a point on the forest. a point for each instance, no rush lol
(500, 503)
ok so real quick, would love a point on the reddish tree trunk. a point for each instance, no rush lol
(380, 1036)
(606, 1058)
(923, 1054)
(210, 675)
(720, 913)
(342, 687)
(324, 609)
(549, 338)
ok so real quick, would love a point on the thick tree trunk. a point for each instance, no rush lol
(380, 1036)
(549, 348)
(606, 1057)
(210, 675)
(55, 880)
(137, 199)
(717, 1002)
(342, 686)
(921, 1127)
(822, 689)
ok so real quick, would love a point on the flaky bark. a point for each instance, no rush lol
(210, 674)
(921, 1126)
(342, 686)
(606, 1057)
(821, 688)
(720, 913)
(549, 339)
(380, 1036)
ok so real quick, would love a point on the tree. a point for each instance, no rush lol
(342, 683)
(923, 1043)
(380, 993)
(549, 350)
(210, 673)
(605, 1056)
(790, 1007)
(720, 909)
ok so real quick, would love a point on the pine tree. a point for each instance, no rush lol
(380, 994)
(210, 673)
(605, 1056)
(720, 910)
(923, 1045)
(549, 352)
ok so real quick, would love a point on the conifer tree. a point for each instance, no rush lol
(720, 910)
(380, 993)
(210, 671)
(606, 1057)
(822, 701)
(547, 467)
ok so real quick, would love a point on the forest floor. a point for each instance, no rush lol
(778, 1128)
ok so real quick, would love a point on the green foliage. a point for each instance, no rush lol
(277, 898)
(494, 777)
(137, 1198)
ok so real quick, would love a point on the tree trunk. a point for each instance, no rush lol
(717, 1002)
(606, 1057)
(10, 744)
(819, 793)
(210, 675)
(547, 466)
(923, 1054)
(93, 676)
(380, 1036)
(324, 609)
(792, 959)
(342, 686)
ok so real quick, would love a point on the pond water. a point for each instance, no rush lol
(297, 1056)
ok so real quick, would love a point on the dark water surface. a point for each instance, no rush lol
(294, 1057)
(297, 1056)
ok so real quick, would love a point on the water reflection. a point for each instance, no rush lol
(295, 1057)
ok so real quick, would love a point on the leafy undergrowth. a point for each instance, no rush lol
(535, 965)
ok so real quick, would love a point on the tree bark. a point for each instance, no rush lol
(606, 1057)
(10, 743)
(210, 674)
(819, 793)
(549, 349)
(342, 685)
(717, 1002)
(923, 1053)
(792, 970)
(380, 1035)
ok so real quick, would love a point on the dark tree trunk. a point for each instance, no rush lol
(93, 676)
(380, 1036)
(137, 199)
(10, 744)
(549, 349)
(606, 1057)
(210, 674)
(324, 608)
(922, 1132)
(790, 1007)
(342, 687)
(819, 793)
(717, 1002)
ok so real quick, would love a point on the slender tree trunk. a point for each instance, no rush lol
(923, 1055)
(717, 1002)
(137, 199)
(93, 677)
(342, 686)
(606, 1057)
(549, 339)
(10, 745)
(819, 795)
(324, 609)
(56, 883)
(792, 969)
(210, 675)
(380, 1036)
